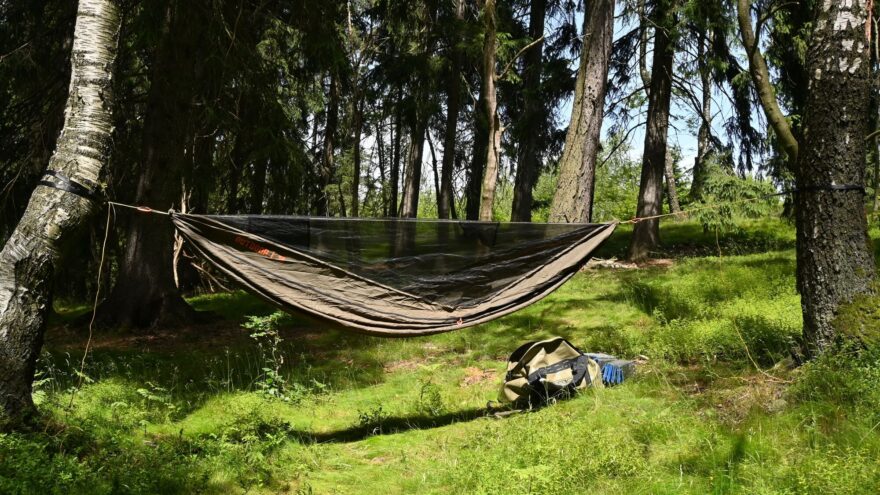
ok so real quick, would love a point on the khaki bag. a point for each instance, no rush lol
(547, 370)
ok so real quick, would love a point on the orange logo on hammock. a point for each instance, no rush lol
(257, 248)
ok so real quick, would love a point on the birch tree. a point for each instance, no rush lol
(35, 250)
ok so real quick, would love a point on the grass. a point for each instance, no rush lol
(716, 409)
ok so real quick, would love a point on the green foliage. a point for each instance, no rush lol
(548, 453)
(845, 376)
(713, 309)
(28, 466)
(264, 331)
(617, 183)
(430, 401)
(372, 419)
(728, 198)
(543, 196)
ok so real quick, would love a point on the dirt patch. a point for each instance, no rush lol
(474, 375)
(756, 392)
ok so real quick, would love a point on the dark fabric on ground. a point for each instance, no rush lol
(393, 277)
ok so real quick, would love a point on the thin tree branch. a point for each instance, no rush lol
(620, 143)
(518, 54)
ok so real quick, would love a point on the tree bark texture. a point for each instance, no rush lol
(573, 199)
(356, 173)
(258, 188)
(434, 168)
(533, 119)
(34, 251)
(409, 206)
(874, 120)
(380, 148)
(325, 174)
(394, 174)
(453, 106)
(478, 161)
(145, 294)
(835, 261)
(237, 159)
(490, 100)
(646, 233)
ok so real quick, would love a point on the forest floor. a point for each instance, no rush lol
(716, 408)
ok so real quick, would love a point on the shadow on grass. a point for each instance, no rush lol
(390, 426)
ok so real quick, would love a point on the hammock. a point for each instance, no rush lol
(393, 277)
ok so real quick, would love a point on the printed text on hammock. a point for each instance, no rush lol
(257, 248)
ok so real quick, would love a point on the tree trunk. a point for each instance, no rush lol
(409, 206)
(434, 169)
(489, 99)
(258, 187)
(322, 207)
(834, 255)
(646, 233)
(573, 200)
(203, 168)
(380, 145)
(699, 171)
(395, 158)
(874, 123)
(34, 251)
(478, 161)
(356, 173)
(453, 105)
(237, 159)
(874, 143)
(671, 190)
(145, 294)
(533, 119)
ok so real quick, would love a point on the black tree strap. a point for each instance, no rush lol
(831, 187)
(57, 180)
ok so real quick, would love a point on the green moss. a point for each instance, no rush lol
(860, 319)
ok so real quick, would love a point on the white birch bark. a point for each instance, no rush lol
(30, 256)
